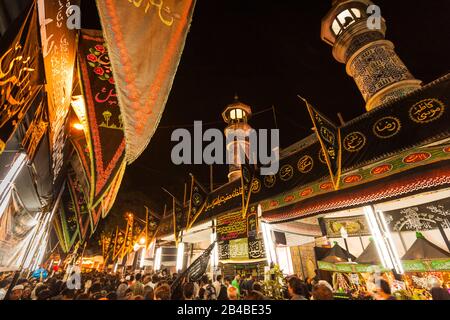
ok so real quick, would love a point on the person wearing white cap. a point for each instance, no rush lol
(16, 292)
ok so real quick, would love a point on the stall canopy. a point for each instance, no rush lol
(369, 255)
(422, 249)
(337, 255)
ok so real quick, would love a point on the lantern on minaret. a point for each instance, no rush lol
(357, 32)
(237, 133)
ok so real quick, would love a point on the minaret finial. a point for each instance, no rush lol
(236, 97)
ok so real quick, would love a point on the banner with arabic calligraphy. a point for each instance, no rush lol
(20, 73)
(156, 30)
(197, 202)
(420, 118)
(68, 221)
(237, 237)
(78, 203)
(248, 173)
(105, 134)
(420, 218)
(179, 219)
(59, 51)
(330, 139)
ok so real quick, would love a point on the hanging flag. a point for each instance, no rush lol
(155, 30)
(59, 51)
(36, 131)
(153, 224)
(329, 136)
(118, 244)
(248, 173)
(178, 219)
(78, 203)
(105, 134)
(195, 271)
(69, 221)
(20, 73)
(197, 202)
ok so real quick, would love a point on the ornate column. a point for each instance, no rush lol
(359, 42)
(236, 116)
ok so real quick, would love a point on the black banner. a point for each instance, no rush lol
(248, 173)
(197, 202)
(420, 118)
(107, 140)
(420, 218)
(329, 137)
(21, 73)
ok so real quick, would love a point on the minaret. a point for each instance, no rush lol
(358, 42)
(236, 116)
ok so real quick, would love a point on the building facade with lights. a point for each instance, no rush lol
(393, 172)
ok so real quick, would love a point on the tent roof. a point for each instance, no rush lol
(337, 255)
(424, 249)
(369, 255)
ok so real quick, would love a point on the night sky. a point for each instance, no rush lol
(268, 52)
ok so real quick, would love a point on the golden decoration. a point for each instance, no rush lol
(322, 157)
(256, 185)
(427, 110)
(354, 141)
(305, 164)
(387, 127)
(286, 172)
(269, 181)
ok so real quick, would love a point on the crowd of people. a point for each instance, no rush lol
(158, 286)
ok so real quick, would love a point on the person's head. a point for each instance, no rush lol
(138, 277)
(83, 296)
(95, 288)
(16, 292)
(68, 294)
(149, 294)
(4, 283)
(322, 292)
(44, 294)
(128, 294)
(249, 276)
(257, 287)
(26, 294)
(255, 295)
(162, 292)
(227, 281)
(155, 278)
(440, 294)
(111, 296)
(188, 291)
(232, 293)
(295, 287)
(237, 277)
(205, 279)
(219, 278)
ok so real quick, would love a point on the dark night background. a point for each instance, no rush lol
(267, 52)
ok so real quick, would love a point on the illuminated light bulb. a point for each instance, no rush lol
(78, 126)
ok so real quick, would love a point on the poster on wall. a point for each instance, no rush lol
(354, 226)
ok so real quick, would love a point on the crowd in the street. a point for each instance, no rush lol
(158, 286)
